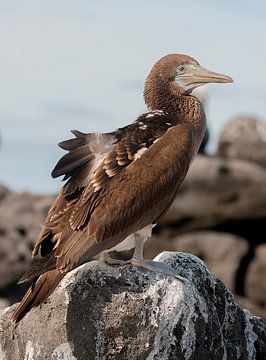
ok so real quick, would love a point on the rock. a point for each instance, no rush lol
(21, 216)
(3, 192)
(159, 243)
(3, 303)
(244, 138)
(221, 252)
(255, 287)
(127, 313)
(217, 190)
(252, 306)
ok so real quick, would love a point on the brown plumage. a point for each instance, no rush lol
(121, 182)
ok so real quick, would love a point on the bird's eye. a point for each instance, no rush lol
(180, 69)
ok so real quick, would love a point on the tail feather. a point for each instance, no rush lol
(37, 293)
(41, 266)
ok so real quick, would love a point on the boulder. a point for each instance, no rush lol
(244, 138)
(252, 306)
(21, 216)
(99, 312)
(255, 288)
(221, 252)
(3, 303)
(3, 192)
(217, 190)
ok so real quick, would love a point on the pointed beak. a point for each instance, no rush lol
(196, 74)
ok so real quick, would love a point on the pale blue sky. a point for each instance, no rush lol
(68, 64)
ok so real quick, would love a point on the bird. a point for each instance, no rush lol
(119, 184)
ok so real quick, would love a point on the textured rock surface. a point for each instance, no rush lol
(217, 190)
(244, 138)
(102, 313)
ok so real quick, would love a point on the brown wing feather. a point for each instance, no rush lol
(46, 263)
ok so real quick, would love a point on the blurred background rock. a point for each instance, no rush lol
(218, 215)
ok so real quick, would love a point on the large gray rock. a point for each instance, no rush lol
(217, 190)
(244, 138)
(103, 313)
(21, 216)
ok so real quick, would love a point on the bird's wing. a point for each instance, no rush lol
(137, 181)
(100, 205)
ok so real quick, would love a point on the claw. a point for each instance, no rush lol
(106, 258)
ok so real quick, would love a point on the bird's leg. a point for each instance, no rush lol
(151, 265)
(138, 260)
(136, 257)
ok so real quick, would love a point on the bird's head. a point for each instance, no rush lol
(181, 74)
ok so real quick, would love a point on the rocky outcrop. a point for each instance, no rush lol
(217, 190)
(127, 313)
(244, 138)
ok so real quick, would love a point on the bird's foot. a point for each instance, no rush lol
(158, 267)
(150, 265)
(108, 259)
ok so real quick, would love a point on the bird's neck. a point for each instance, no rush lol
(181, 108)
(165, 96)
